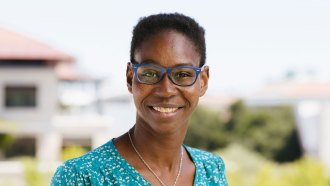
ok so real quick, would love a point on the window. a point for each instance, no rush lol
(22, 63)
(24, 146)
(20, 96)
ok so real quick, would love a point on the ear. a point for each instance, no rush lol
(129, 77)
(204, 77)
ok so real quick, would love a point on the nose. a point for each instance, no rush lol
(166, 88)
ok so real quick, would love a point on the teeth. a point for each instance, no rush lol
(165, 109)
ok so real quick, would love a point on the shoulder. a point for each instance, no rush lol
(210, 168)
(99, 157)
(204, 156)
(77, 170)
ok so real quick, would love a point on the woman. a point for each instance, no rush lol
(166, 77)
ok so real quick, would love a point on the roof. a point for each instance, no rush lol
(67, 72)
(294, 89)
(221, 102)
(14, 46)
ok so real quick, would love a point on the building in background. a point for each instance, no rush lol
(34, 79)
(310, 99)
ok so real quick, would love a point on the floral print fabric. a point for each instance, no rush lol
(105, 166)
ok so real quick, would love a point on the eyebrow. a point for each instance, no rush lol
(150, 61)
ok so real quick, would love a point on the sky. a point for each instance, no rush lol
(249, 43)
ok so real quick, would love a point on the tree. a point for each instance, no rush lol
(206, 130)
(270, 131)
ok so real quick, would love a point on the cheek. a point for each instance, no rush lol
(140, 92)
(196, 89)
(137, 88)
(137, 91)
(192, 94)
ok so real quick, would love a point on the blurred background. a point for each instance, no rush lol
(267, 110)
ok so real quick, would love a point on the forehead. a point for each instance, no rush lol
(168, 48)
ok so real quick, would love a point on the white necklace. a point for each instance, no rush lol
(145, 163)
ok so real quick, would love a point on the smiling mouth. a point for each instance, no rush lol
(166, 109)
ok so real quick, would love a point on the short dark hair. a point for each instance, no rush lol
(153, 24)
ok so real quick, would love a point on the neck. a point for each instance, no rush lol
(163, 149)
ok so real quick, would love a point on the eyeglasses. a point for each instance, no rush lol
(152, 74)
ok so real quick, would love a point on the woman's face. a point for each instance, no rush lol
(166, 107)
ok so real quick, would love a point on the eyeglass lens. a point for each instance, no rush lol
(152, 74)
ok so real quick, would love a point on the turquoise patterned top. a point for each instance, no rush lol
(105, 166)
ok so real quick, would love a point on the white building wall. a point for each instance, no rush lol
(46, 83)
(308, 116)
(324, 144)
(49, 146)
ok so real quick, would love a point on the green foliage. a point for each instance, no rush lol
(206, 130)
(241, 164)
(304, 172)
(6, 182)
(270, 131)
(5, 140)
(32, 175)
(72, 152)
(245, 167)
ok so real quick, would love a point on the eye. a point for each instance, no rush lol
(183, 74)
(149, 73)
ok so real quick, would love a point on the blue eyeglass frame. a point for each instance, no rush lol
(164, 70)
